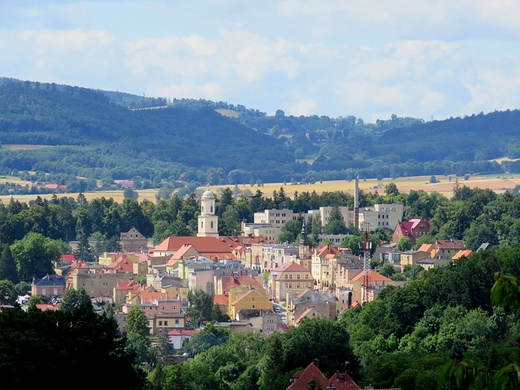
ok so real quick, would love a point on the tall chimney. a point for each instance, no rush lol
(356, 202)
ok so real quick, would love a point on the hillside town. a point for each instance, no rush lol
(262, 286)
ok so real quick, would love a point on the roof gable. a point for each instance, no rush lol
(303, 379)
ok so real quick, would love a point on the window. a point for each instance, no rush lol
(55, 291)
(286, 285)
(286, 276)
(202, 207)
(202, 224)
(290, 276)
(252, 306)
(165, 323)
(212, 224)
(210, 209)
(176, 322)
(160, 323)
(290, 285)
(298, 276)
(44, 291)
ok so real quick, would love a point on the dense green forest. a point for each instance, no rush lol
(105, 136)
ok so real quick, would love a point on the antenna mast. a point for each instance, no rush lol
(367, 248)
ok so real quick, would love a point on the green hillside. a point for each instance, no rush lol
(101, 135)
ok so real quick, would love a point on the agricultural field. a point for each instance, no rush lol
(116, 195)
(445, 184)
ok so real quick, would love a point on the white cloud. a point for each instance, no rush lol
(303, 107)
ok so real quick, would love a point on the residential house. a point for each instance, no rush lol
(413, 229)
(377, 283)
(133, 241)
(309, 304)
(49, 285)
(290, 278)
(443, 249)
(247, 300)
(180, 337)
(97, 281)
(312, 378)
(265, 322)
(412, 257)
(238, 327)
(323, 264)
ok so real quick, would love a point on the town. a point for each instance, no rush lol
(255, 283)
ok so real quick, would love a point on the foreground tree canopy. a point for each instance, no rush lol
(63, 350)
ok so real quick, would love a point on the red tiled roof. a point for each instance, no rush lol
(220, 299)
(342, 381)
(183, 332)
(123, 264)
(374, 275)
(201, 244)
(67, 257)
(183, 250)
(292, 267)
(303, 379)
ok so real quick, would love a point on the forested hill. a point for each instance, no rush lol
(112, 135)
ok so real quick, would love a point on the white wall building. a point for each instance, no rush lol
(381, 216)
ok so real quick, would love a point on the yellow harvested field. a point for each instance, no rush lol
(116, 195)
(13, 179)
(498, 184)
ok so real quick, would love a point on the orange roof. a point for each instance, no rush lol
(148, 297)
(220, 299)
(182, 251)
(462, 253)
(374, 275)
(328, 250)
(45, 307)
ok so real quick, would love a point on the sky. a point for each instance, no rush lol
(429, 59)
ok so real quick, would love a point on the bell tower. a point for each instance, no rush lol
(208, 221)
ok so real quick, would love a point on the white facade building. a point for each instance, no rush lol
(381, 216)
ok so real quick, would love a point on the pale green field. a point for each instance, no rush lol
(24, 147)
(227, 112)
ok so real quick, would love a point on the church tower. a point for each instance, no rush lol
(208, 221)
(304, 250)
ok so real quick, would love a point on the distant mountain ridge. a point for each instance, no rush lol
(97, 135)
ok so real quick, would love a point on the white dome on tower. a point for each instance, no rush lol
(208, 195)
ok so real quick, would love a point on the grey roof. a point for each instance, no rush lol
(49, 280)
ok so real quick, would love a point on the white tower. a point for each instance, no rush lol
(208, 221)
